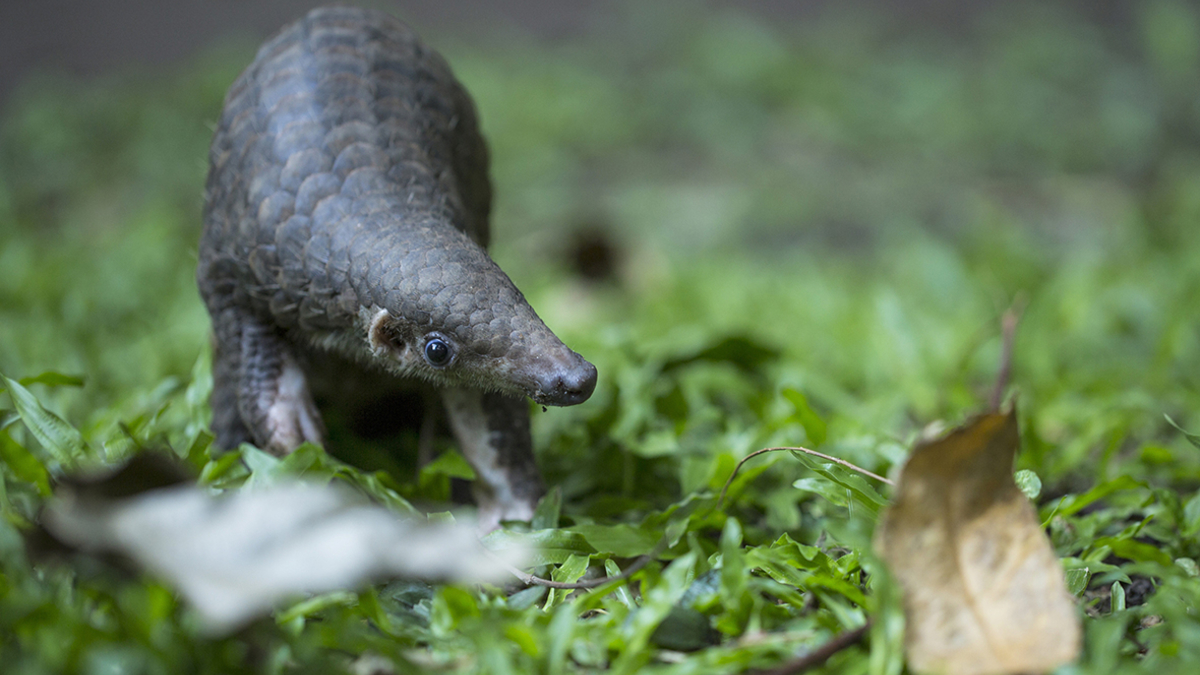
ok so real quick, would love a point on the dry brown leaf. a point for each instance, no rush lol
(983, 590)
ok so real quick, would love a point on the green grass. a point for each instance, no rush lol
(820, 227)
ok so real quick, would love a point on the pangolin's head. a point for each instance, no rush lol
(446, 313)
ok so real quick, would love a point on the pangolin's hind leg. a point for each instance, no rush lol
(260, 393)
(493, 432)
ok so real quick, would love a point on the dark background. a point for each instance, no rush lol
(89, 37)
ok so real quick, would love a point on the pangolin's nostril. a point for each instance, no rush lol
(571, 386)
(582, 382)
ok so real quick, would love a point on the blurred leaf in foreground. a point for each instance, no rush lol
(60, 439)
(983, 590)
(236, 556)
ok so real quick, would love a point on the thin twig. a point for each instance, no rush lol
(814, 453)
(820, 655)
(1008, 327)
(531, 580)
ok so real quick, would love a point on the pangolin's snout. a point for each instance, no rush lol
(566, 383)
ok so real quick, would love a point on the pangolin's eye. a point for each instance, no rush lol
(437, 352)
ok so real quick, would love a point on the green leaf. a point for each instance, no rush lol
(8, 418)
(839, 485)
(309, 607)
(561, 630)
(777, 565)
(527, 597)
(24, 465)
(448, 465)
(451, 606)
(53, 379)
(887, 620)
(368, 602)
(549, 547)
(569, 572)
(222, 470)
(1136, 550)
(840, 586)
(1194, 439)
(735, 599)
(623, 541)
(746, 476)
(747, 354)
(523, 637)
(1118, 597)
(814, 426)
(657, 602)
(1029, 483)
(50, 379)
(800, 555)
(495, 653)
(546, 515)
(1188, 565)
(683, 630)
(1095, 569)
(299, 461)
(1077, 580)
(197, 452)
(264, 467)
(622, 592)
(1073, 504)
(378, 486)
(61, 440)
(733, 565)
(7, 515)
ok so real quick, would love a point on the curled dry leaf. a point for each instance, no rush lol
(983, 590)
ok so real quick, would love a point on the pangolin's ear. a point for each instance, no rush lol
(380, 333)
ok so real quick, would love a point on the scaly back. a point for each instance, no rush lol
(343, 118)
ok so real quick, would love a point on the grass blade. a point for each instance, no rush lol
(61, 440)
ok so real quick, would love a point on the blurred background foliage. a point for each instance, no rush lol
(748, 226)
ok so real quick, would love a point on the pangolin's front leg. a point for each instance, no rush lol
(260, 393)
(493, 433)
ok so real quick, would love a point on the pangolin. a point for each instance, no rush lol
(345, 233)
